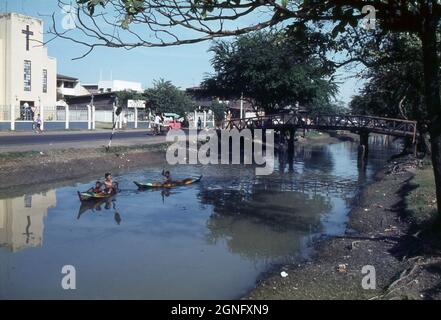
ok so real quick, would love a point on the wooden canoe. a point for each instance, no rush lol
(177, 183)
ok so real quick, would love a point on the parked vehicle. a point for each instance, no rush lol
(172, 124)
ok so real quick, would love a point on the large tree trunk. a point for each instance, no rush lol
(432, 95)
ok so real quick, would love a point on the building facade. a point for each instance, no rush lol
(91, 88)
(118, 85)
(28, 76)
(69, 87)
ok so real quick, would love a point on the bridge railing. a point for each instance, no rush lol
(390, 126)
(262, 121)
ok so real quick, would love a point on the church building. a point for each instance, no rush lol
(28, 76)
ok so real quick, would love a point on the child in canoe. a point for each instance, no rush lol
(167, 177)
(108, 183)
(97, 188)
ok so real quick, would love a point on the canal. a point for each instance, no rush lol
(210, 240)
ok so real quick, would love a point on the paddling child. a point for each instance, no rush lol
(167, 176)
(108, 183)
(97, 188)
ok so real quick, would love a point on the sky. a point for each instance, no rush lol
(185, 65)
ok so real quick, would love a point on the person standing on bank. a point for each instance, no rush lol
(38, 122)
(157, 125)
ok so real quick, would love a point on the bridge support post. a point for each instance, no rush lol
(291, 141)
(363, 149)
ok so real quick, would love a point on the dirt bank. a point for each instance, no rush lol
(35, 170)
(380, 233)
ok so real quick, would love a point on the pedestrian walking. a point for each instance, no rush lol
(38, 123)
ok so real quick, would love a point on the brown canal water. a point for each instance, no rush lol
(211, 240)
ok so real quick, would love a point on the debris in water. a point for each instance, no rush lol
(284, 274)
(391, 228)
(342, 268)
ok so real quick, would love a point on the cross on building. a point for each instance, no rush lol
(28, 33)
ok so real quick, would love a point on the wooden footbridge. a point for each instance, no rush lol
(362, 125)
(353, 123)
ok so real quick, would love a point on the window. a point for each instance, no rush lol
(27, 75)
(44, 81)
(69, 84)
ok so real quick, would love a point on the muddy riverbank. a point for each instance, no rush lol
(34, 170)
(380, 233)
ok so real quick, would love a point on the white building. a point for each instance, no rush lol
(92, 88)
(69, 87)
(118, 85)
(28, 76)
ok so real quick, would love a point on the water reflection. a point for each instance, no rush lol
(98, 206)
(165, 193)
(263, 225)
(22, 220)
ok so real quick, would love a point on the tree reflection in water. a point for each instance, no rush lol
(263, 224)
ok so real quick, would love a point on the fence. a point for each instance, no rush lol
(204, 118)
(104, 116)
(17, 118)
(134, 119)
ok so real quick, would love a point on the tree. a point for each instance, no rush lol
(395, 86)
(165, 97)
(124, 96)
(209, 19)
(271, 71)
(218, 110)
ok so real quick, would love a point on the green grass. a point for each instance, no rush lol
(421, 201)
(19, 154)
(144, 147)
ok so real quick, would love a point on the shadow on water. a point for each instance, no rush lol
(210, 240)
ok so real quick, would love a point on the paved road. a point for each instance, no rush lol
(61, 140)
